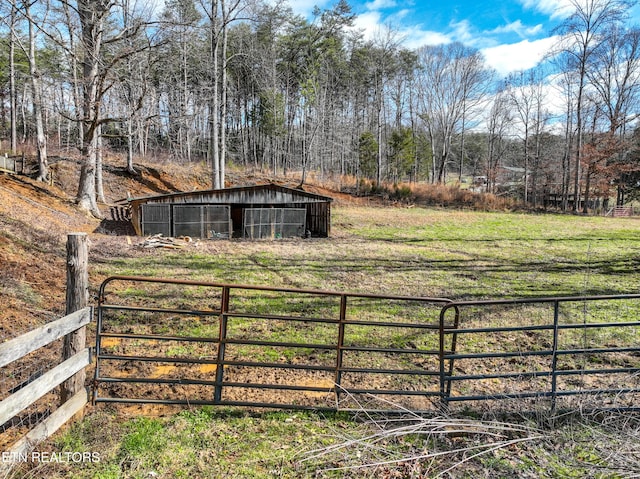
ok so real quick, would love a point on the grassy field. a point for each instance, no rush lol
(460, 255)
(453, 254)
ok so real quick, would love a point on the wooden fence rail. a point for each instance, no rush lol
(19, 347)
(69, 374)
(620, 211)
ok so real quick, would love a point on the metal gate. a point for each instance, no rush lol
(198, 343)
(185, 342)
(567, 352)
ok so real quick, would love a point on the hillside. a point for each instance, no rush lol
(35, 219)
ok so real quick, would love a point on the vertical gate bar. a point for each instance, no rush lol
(554, 357)
(454, 342)
(222, 338)
(443, 399)
(339, 347)
(96, 375)
(445, 377)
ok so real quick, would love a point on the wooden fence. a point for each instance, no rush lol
(69, 374)
(620, 211)
(12, 164)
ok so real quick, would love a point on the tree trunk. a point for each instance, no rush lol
(462, 138)
(77, 94)
(91, 19)
(526, 163)
(13, 97)
(130, 169)
(587, 187)
(214, 108)
(86, 197)
(36, 91)
(99, 178)
(223, 98)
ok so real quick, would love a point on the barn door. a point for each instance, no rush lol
(274, 223)
(156, 219)
(202, 221)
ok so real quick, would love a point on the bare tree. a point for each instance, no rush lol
(616, 77)
(12, 78)
(580, 34)
(35, 81)
(36, 92)
(220, 14)
(526, 93)
(498, 126)
(453, 79)
(97, 32)
(615, 80)
(93, 15)
(384, 48)
(180, 78)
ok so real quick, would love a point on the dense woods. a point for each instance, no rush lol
(249, 83)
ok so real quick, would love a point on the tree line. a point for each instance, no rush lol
(248, 82)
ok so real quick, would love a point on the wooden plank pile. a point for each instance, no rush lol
(160, 241)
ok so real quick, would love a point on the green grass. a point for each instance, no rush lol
(413, 252)
(227, 443)
(455, 254)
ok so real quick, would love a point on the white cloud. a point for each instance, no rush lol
(416, 37)
(369, 23)
(400, 15)
(517, 56)
(462, 31)
(556, 9)
(380, 4)
(518, 28)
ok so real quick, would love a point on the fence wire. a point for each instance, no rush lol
(16, 376)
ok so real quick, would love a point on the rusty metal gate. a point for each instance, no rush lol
(184, 342)
(197, 343)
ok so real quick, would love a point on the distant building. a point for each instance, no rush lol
(263, 211)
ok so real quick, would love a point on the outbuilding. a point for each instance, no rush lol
(264, 211)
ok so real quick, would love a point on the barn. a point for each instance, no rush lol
(265, 211)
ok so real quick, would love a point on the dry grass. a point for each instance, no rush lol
(415, 446)
(423, 194)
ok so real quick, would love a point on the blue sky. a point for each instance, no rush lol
(512, 34)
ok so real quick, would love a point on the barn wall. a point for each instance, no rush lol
(319, 219)
(318, 207)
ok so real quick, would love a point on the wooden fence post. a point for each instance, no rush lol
(77, 298)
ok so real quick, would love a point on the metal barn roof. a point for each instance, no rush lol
(254, 195)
